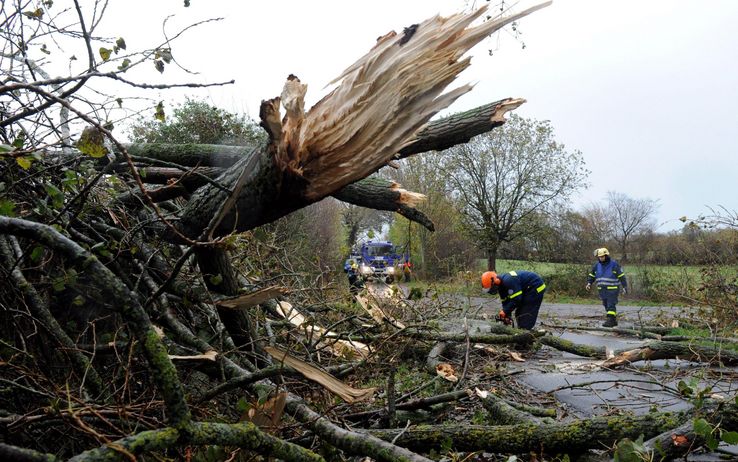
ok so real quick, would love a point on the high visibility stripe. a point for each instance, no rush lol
(622, 275)
(612, 287)
(592, 274)
(614, 313)
(541, 288)
(513, 273)
(516, 294)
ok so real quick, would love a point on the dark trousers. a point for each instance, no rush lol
(609, 299)
(527, 314)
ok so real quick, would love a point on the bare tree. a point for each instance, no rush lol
(630, 217)
(501, 179)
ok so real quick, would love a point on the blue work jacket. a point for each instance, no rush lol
(516, 286)
(607, 275)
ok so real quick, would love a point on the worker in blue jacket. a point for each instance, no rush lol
(610, 279)
(520, 291)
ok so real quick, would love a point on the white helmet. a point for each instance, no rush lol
(601, 252)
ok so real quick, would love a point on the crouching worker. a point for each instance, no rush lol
(520, 292)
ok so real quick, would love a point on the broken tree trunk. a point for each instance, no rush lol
(380, 104)
(560, 438)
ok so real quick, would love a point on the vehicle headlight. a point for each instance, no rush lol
(366, 269)
(391, 270)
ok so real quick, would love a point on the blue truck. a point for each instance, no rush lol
(379, 260)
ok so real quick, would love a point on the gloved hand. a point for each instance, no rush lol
(625, 291)
(504, 318)
(588, 286)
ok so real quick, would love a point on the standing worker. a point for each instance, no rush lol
(609, 277)
(520, 291)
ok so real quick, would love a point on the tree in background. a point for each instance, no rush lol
(357, 220)
(198, 122)
(630, 217)
(447, 250)
(501, 179)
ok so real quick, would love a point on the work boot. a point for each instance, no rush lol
(611, 321)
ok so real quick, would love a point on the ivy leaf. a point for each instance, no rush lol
(159, 65)
(712, 443)
(159, 113)
(91, 143)
(24, 162)
(105, 53)
(7, 208)
(216, 280)
(78, 300)
(120, 43)
(124, 65)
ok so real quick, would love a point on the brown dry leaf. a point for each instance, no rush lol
(447, 372)
(267, 415)
(675, 324)
(332, 384)
(515, 356)
(679, 440)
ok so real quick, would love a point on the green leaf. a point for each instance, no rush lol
(120, 43)
(216, 280)
(57, 197)
(124, 65)
(24, 162)
(58, 284)
(7, 208)
(702, 428)
(159, 114)
(712, 443)
(730, 437)
(78, 300)
(6, 148)
(91, 143)
(105, 53)
(242, 405)
(38, 13)
(165, 54)
(37, 253)
(159, 65)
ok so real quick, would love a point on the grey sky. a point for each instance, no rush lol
(647, 90)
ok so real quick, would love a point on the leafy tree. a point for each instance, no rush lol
(198, 122)
(503, 178)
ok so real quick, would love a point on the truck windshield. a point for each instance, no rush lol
(379, 250)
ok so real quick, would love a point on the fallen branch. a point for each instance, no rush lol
(560, 438)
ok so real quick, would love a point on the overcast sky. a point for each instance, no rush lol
(647, 90)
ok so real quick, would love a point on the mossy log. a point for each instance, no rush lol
(578, 349)
(244, 435)
(560, 438)
(501, 413)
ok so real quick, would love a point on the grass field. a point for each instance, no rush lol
(648, 284)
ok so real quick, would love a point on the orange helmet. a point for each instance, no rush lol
(489, 279)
